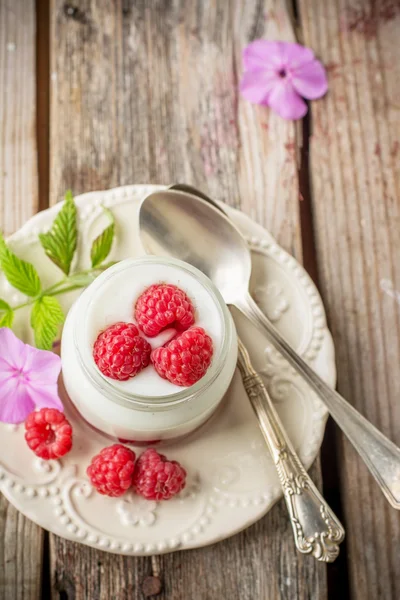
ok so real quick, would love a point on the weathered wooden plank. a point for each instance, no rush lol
(148, 92)
(356, 203)
(20, 555)
(20, 539)
(18, 182)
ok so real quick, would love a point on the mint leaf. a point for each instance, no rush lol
(46, 316)
(6, 314)
(60, 242)
(22, 275)
(102, 244)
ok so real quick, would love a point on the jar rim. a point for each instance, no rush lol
(127, 399)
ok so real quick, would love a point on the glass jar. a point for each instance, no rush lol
(147, 408)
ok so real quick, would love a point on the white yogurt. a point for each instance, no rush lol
(115, 298)
(146, 407)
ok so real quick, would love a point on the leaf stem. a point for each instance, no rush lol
(14, 308)
(57, 288)
(65, 290)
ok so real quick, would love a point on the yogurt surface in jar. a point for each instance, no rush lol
(115, 301)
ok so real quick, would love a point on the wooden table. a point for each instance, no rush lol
(100, 93)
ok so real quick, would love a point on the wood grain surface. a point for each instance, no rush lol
(356, 203)
(18, 162)
(148, 92)
(135, 92)
(20, 539)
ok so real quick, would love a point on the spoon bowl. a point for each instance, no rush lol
(220, 250)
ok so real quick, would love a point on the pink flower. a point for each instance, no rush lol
(28, 378)
(279, 74)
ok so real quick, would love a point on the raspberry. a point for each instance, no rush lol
(111, 471)
(186, 358)
(156, 478)
(120, 352)
(48, 433)
(163, 305)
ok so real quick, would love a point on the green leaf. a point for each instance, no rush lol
(46, 317)
(3, 245)
(22, 275)
(6, 314)
(102, 244)
(60, 242)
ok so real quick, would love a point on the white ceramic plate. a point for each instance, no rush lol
(232, 481)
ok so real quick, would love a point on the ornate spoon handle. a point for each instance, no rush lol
(316, 529)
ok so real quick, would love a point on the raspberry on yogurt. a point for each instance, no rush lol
(120, 352)
(163, 305)
(185, 359)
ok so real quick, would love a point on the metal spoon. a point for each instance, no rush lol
(177, 224)
(316, 528)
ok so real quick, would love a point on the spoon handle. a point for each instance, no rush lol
(381, 456)
(316, 529)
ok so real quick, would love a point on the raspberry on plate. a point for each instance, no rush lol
(163, 305)
(120, 352)
(186, 358)
(111, 471)
(48, 433)
(156, 478)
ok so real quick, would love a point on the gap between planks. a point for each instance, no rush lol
(337, 573)
(43, 100)
(43, 161)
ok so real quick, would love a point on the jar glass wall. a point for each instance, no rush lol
(147, 408)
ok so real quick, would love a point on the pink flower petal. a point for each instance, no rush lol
(256, 85)
(11, 348)
(15, 402)
(6, 370)
(28, 378)
(285, 101)
(310, 80)
(260, 54)
(42, 366)
(45, 396)
(294, 55)
(263, 54)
